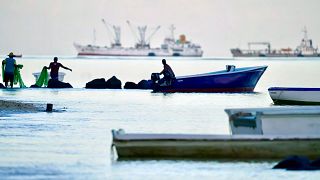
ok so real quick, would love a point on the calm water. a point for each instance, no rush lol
(74, 143)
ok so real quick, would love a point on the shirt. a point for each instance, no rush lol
(10, 62)
(167, 68)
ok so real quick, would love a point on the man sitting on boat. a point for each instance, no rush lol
(54, 66)
(167, 73)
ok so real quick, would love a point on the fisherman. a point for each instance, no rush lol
(9, 66)
(54, 66)
(167, 73)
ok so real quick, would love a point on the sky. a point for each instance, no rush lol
(50, 27)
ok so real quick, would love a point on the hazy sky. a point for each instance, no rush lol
(49, 27)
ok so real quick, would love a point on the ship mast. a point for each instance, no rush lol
(116, 35)
(142, 41)
(172, 28)
(304, 30)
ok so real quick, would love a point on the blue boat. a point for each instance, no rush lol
(231, 80)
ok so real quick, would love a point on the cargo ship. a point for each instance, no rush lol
(170, 47)
(305, 49)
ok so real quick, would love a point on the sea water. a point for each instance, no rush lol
(74, 141)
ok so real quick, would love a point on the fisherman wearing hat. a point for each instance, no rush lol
(9, 65)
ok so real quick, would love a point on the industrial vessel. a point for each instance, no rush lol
(170, 46)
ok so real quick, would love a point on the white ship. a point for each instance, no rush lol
(305, 49)
(170, 46)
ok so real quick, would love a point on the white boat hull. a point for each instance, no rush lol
(121, 51)
(297, 120)
(295, 96)
(60, 76)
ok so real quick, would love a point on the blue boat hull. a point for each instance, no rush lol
(239, 80)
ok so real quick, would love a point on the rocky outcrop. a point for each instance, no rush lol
(101, 83)
(97, 84)
(144, 84)
(298, 163)
(34, 86)
(130, 85)
(113, 83)
(58, 84)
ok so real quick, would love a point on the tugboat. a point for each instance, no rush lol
(305, 49)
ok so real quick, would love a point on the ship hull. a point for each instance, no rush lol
(121, 51)
(239, 53)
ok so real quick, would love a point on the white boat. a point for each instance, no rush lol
(295, 95)
(170, 47)
(284, 121)
(256, 133)
(60, 76)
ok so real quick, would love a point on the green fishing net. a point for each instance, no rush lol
(17, 76)
(43, 78)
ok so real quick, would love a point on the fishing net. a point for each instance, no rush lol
(43, 78)
(17, 76)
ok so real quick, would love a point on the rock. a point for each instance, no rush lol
(34, 86)
(294, 163)
(1, 86)
(144, 84)
(315, 163)
(97, 84)
(130, 85)
(58, 84)
(113, 83)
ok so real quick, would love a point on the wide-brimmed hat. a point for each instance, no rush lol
(11, 54)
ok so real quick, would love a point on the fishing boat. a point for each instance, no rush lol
(171, 46)
(204, 146)
(232, 80)
(295, 95)
(256, 133)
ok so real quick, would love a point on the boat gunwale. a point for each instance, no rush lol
(225, 72)
(292, 89)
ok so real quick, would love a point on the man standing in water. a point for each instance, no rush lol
(9, 65)
(54, 66)
(167, 73)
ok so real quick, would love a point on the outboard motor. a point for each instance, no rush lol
(230, 68)
(155, 77)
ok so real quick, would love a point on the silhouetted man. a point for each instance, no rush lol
(54, 66)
